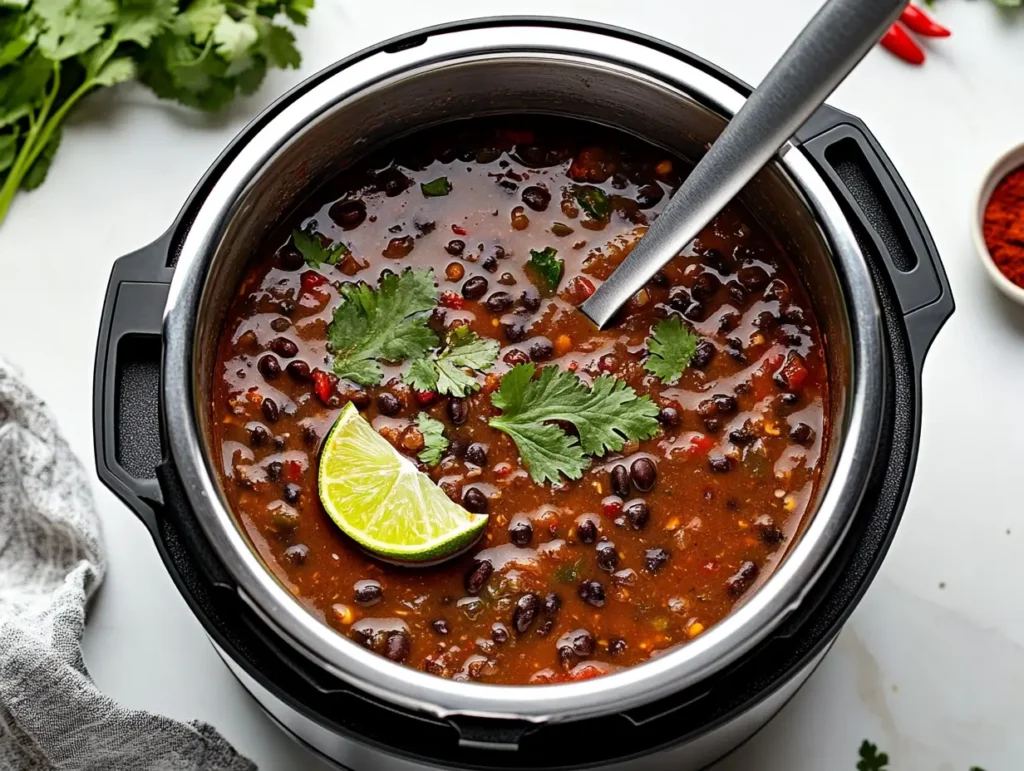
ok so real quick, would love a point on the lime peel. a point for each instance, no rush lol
(378, 497)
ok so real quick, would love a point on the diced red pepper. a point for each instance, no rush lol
(579, 289)
(585, 672)
(311, 280)
(794, 373)
(324, 384)
(459, 230)
(425, 398)
(700, 444)
(292, 470)
(453, 300)
(612, 507)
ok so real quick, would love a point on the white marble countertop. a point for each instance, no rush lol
(931, 666)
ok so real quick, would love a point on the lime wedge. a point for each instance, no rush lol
(380, 500)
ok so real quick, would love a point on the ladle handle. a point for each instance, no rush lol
(823, 54)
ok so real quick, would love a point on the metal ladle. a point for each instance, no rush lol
(820, 58)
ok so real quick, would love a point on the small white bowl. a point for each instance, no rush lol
(1011, 160)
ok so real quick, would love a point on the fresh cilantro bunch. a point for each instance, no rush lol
(54, 52)
(446, 372)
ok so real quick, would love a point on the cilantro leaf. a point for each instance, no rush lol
(568, 572)
(388, 323)
(314, 252)
(434, 440)
(445, 372)
(437, 187)
(605, 416)
(593, 201)
(871, 759)
(547, 266)
(671, 347)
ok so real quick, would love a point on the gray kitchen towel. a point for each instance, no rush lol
(51, 561)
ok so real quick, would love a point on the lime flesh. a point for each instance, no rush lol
(380, 500)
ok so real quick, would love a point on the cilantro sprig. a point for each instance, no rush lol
(593, 201)
(446, 372)
(547, 266)
(671, 347)
(436, 187)
(605, 415)
(54, 52)
(388, 323)
(871, 759)
(434, 440)
(314, 252)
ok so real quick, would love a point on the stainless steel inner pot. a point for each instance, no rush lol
(581, 74)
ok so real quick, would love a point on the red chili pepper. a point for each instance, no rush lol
(921, 23)
(459, 230)
(311, 280)
(898, 42)
(453, 300)
(425, 398)
(700, 444)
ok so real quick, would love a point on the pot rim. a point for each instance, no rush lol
(724, 642)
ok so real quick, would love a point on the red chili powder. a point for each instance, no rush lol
(1003, 226)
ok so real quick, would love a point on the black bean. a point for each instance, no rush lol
(592, 593)
(296, 554)
(565, 656)
(389, 404)
(458, 447)
(490, 264)
(712, 425)
(299, 370)
(526, 612)
(368, 593)
(290, 258)
(474, 288)
(284, 347)
(458, 411)
(360, 398)
(789, 398)
(715, 259)
(269, 366)
(397, 647)
(765, 320)
(794, 315)
(530, 300)
(520, 532)
(309, 434)
(679, 299)
(644, 474)
(620, 481)
(476, 454)
(514, 331)
(258, 435)
(478, 575)
(655, 559)
(637, 513)
(280, 324)
(292, 492)
(348, 214)
(741, 437)
(441, 627)
(536, 197)
(741, 580)
(767, 530)
(274, 469)
(719, 463)
(455, 247)
(801, 433)
(507, 279)
(499, 633)
(696, 312)
(649, 195)
(279, 442)
(753, 277)
(542, 350)
(270, 410)
(617, 646)
(498, 302)
(552, 604)
(668, 416)
(586, 531)
(725, 404)
(607, 557)
(704, 354)
(545, 627)
(474, 500)
(516, 356)
(736, 292)
(705, 286)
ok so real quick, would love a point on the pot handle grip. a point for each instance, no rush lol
(126, 422)
(886, 221)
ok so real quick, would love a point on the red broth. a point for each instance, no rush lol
(653, 545)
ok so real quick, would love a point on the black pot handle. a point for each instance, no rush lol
(883, 215)
(126, 421)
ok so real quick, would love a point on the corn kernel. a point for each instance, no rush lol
(695, 629)
(563, 344)
(789, 503)
(772, 428)
(663, 168)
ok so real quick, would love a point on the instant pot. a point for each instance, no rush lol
(831, 198)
